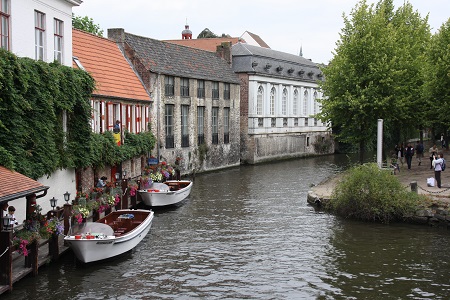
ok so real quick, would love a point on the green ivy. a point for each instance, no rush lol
(34, 96)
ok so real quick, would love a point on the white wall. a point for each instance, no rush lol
(59, 182)
(22, 27)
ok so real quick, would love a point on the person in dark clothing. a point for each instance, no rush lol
(419, 152)
(409, 153)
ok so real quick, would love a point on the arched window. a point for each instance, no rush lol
(273, 93)
(315, 103)
(259, 101)
(284, 101)
(305, 103)
(294, 104)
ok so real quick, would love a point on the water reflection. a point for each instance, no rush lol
(248, 233)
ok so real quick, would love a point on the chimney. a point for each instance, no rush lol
(224, 51)
(117, 35)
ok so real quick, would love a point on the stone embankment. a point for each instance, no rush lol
(415, 179)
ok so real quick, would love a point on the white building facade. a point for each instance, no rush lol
(279, 102)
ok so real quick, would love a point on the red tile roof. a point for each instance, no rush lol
(14, 185)
(205, 44)
(103, 59)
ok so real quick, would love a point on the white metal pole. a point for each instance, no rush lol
(380, 143)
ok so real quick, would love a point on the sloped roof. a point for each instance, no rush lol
(205, 44)
(257, 60)
(105, 62)
(171, 59)
(15, 185)
(257, 39)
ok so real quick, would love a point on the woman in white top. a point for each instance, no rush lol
(437, 163)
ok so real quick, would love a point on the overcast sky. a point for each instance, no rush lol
(285, 25)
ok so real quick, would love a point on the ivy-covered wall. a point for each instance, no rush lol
(33, 98)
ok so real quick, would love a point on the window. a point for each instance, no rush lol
(215, 125)
(284, 100)
(226, 91)
(184, 87)
(259, 100)
(39, 35)
(315, 102)
(169, 86)
(295, 103)
(4, 24)
(169, 126)
(58, 40)
(201, 125)
(184, 125)
(305, 103)
(215, 90)
(272, 101)
(201, 89)
(226, 125)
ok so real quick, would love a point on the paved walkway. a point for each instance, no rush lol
(417, 173)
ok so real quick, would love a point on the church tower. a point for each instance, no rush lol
(186, 34)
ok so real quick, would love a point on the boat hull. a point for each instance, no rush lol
(157, 197)
(95, 249)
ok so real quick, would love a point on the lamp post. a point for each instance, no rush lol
(67, 212)
(53, 202)
(67, 197)
(124, 174)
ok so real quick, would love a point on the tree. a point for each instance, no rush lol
(86, 24)
(375, 73)
(206, 34)
(436, 73)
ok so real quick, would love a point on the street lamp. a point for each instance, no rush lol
(53, 202)
(124, 174)
(67, 197)
(117, 176)
(6, 223)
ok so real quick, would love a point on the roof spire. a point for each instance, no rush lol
(186, 34)
(301, 51)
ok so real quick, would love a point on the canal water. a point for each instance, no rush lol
(248, 233)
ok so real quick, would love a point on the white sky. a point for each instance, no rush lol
(284, 25)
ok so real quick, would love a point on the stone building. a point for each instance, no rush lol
(195, 113)
(279, 93)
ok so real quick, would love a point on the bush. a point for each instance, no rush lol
(369, 193)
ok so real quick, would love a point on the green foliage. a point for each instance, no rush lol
(35, 96)
(86, 24)
(323, 144)
(202, 152)
(437, 79)
(371, 194)
(375, 73)
(35, 99)
(207, 34)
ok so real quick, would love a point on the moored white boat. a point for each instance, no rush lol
(116, 233)
(167, 193)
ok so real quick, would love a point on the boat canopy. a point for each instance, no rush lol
(93, 228)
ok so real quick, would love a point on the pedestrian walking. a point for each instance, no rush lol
(419, 152)
(399, 152)
(409, 154)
